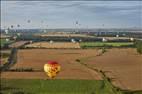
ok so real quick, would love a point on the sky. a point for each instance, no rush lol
(65, 14)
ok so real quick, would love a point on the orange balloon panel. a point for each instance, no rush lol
(52, 69)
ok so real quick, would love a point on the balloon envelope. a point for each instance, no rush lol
(29, 21)
(52, 68)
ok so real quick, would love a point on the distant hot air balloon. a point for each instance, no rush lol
(52, 68)
(18, 25)
(29, 21)
(12, 26)
(76, 22)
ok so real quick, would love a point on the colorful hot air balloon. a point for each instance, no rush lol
(52, 68)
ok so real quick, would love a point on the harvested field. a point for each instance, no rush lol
(57, 45)
(124, 66)
(106, 44)
(62, 35)
(70, 69)
(18, 44)
(114, 38)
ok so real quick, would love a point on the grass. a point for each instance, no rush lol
(27, 86)
(58, 86)
(105, 44)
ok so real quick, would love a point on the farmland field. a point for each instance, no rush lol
(103, 44)
(53, 45)
(34, 86)
(62, 35)
(124, 66)
(121, 64)
(36, 58)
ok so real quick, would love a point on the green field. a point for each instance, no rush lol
(105, 44)
(3, 42)
(54, 87)
(30, 86)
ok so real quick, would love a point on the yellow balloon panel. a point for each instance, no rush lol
(52, 69)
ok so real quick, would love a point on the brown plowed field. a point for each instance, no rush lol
(123, 65)
(70, 69)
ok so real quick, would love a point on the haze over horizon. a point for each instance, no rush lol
(71, 14)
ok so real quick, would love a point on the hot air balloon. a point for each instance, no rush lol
(29, 21)
(52, 68)
(18, 25)
(12, 26)
(76, 22)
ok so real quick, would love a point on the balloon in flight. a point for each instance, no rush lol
(52, 68)
(29, 21)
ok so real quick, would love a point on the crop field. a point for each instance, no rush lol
(36, 58)
(58, 86)
(53, 45)
(124, 66)
(35, 86)
(103, 44)
(62, 35)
